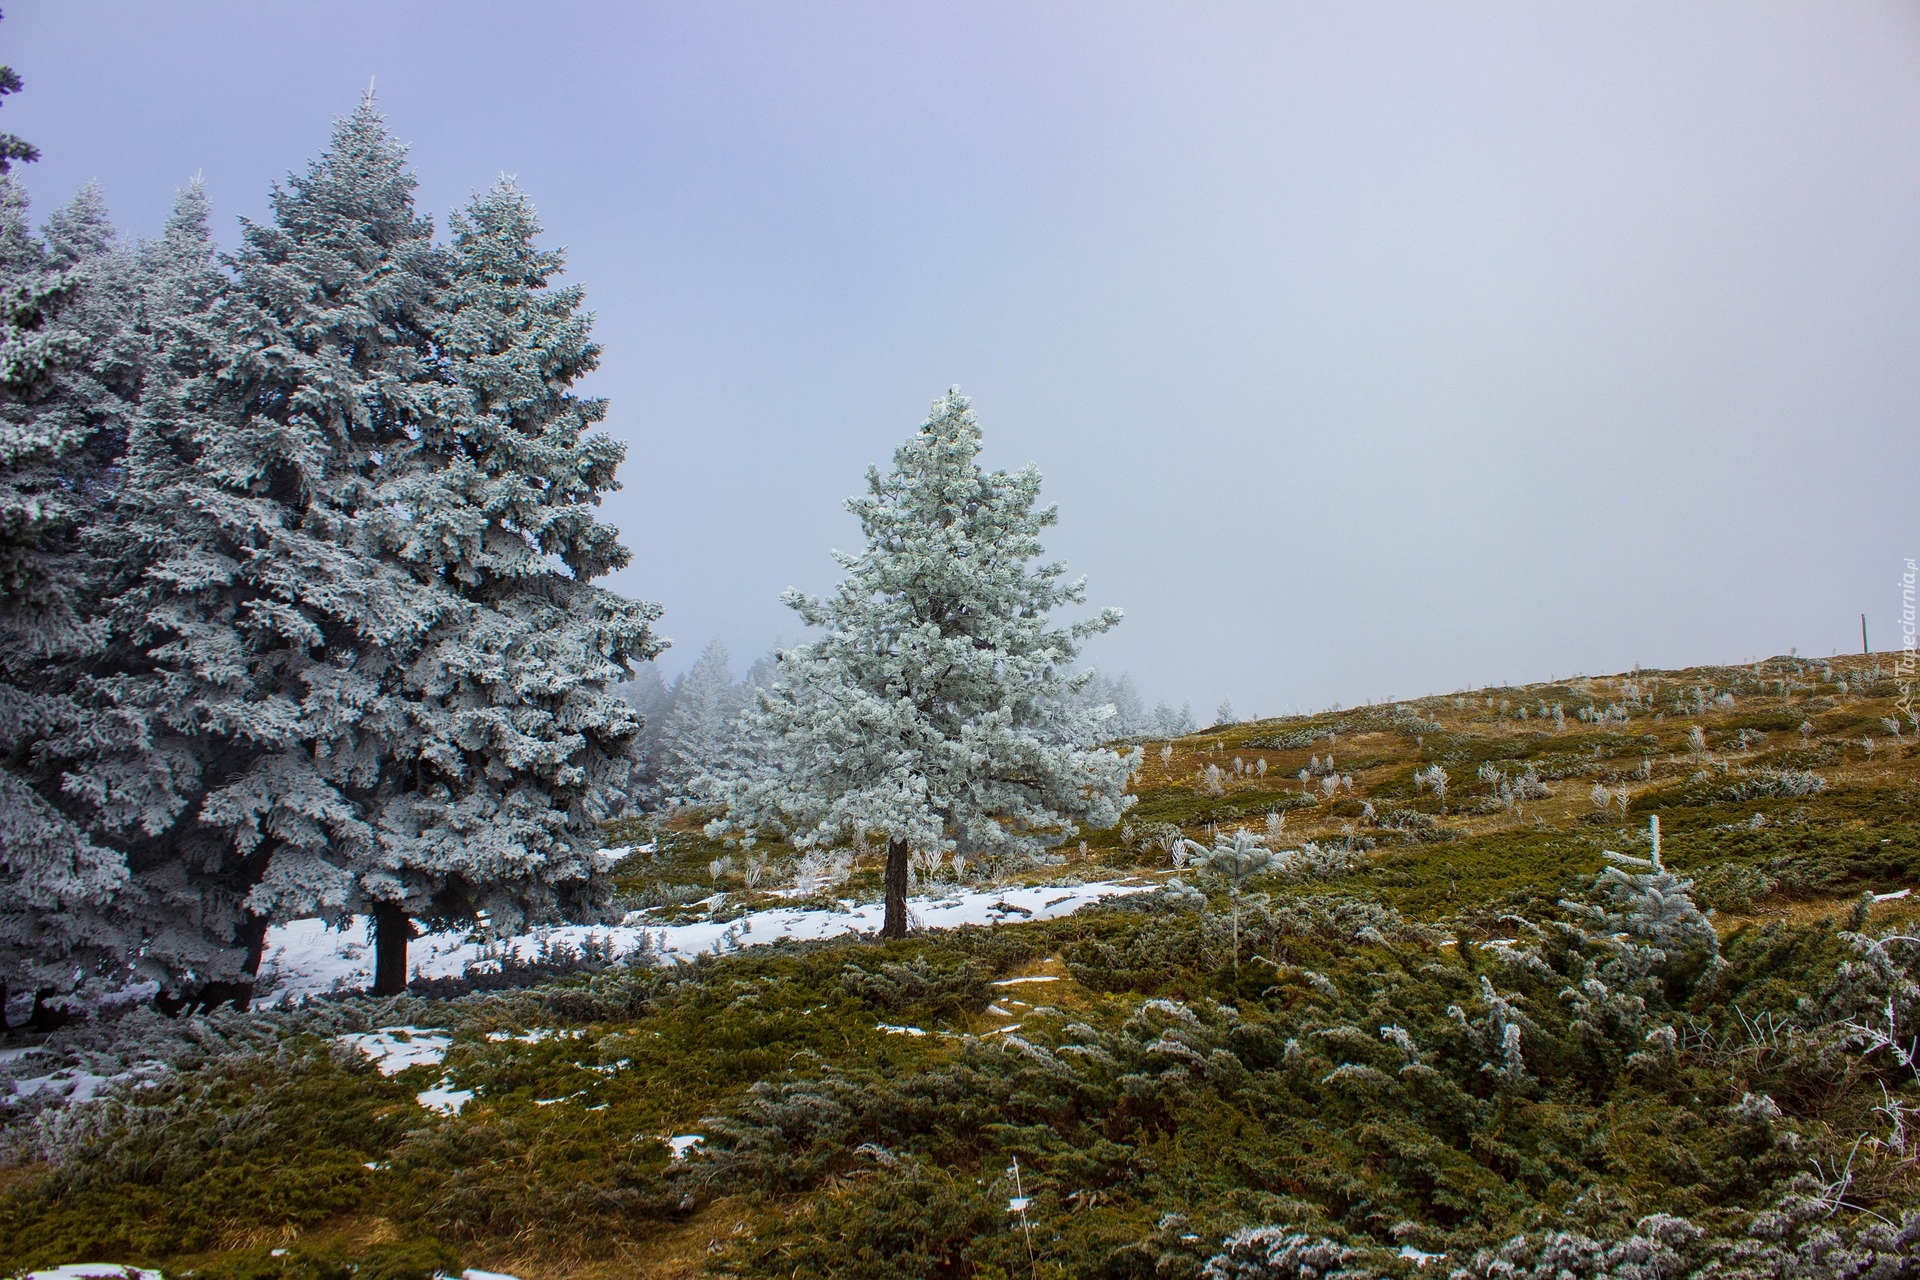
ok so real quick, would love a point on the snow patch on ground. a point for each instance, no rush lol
(615, 856)
(90, 1271)
(73, 1084)
(533, 1035)
(394, 1049)
(307, 958)
(447, 1101)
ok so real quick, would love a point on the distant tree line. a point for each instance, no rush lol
(696, 725)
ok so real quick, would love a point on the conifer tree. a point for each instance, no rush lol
(13, 148)
(70, 365)
(700, 733)
(82, 776)
(1129, 712)
(651, 699)
(517, 739)
(270, 616)
(935, 709)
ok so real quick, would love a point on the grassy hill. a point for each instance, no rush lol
(1421, 1046)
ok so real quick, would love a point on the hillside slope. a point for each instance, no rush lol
(1427, 1030)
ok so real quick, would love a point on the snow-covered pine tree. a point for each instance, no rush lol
(13, 148)
(936, 708)
(701, 732)
(514, 742)
(1164, 722)
(1101, 700)
(70, 365)
(273, 619)
(144, 770)
(651, 698)
(1129, 710)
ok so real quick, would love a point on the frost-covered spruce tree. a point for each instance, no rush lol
(70, 367)
(1115, 707)
(272, 615)
(1129, 711)
(140, 776)
(937, 708)
(700, 734)
(514, 741)
(651, 699)
(1647, 903)
(13, 148)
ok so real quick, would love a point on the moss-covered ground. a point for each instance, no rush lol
(862, 1105)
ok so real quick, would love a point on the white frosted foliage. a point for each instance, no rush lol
(938, 706)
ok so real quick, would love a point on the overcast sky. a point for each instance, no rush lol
(1367, 350)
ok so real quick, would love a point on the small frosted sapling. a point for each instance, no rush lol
(1648, 903)
(1260, 766)
(1234, 862)
(926, 863)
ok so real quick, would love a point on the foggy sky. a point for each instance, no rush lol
(1367, 350)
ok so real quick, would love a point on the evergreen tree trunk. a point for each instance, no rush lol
(252, 934)
(895, 925)
(391, 930)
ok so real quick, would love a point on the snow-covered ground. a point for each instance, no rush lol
(307, 958)
(394, 1049)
